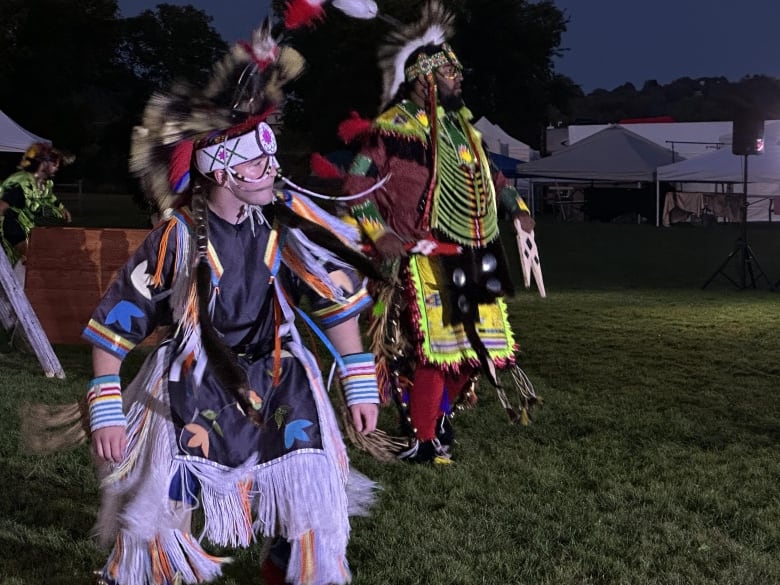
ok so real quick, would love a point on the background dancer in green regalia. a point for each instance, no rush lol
(27, 194)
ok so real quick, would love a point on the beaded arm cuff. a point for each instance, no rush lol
(358, 379)
(104, 399)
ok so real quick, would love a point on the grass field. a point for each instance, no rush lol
(655, 459)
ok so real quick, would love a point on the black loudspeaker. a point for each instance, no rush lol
(747, 135)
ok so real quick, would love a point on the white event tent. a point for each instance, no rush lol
(613, 154)
(14, 138)
(499, 142)
(724, 167)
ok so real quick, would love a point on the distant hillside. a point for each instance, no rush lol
(685, 100)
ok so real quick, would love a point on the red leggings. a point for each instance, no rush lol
(426, 395)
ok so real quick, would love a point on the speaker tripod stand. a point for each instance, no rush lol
(748, 268)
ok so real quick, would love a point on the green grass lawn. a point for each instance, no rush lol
(655, 459)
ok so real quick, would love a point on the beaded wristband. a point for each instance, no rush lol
(358, 378)
(104, 399)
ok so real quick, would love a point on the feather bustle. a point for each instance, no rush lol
(186, 113)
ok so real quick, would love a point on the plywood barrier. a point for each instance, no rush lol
(69, 269)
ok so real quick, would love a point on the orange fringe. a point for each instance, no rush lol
(113, 565)
(155, 556)
(244, 488)
(295, 263)
(277, 343)
(157, 278)
(308, 557)
(305, 212)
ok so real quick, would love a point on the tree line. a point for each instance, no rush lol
(685, 99)
(79, 75)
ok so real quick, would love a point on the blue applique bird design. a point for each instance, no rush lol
(295, 431)
(123, 313)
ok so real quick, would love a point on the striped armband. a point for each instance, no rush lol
(104, 399)
(369, 219)
(358, 378)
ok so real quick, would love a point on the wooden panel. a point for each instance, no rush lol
(69, 269)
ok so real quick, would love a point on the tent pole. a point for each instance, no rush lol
(657, 201)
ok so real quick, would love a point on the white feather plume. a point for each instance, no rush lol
(264, 46)
(433, 36)
(365, 9)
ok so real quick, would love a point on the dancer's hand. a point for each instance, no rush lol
(389, 245)
(527, 222)
(364, 417)
(109, 444)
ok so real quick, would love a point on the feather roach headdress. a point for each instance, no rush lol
(434, 28)
(199, 130)
(218, 126)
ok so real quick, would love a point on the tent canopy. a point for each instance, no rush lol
(613, 154)
(506, 164)
(14, 138)
(499, 142)
(721, 166)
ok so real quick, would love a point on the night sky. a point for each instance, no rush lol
(610, 42)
